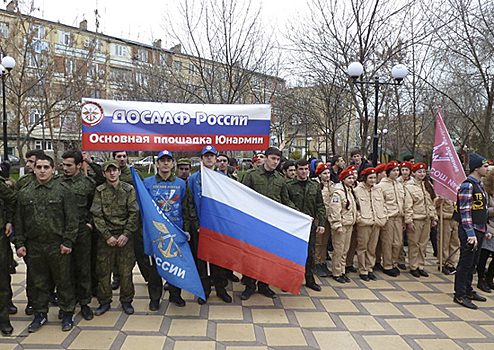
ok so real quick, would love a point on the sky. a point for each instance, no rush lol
(143, 21)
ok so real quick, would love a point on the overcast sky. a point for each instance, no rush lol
(144, 20)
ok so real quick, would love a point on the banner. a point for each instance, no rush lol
(446, 169)
(167, 244)
(109, 125)
(253, 235)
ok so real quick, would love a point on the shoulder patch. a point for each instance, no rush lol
(335, 199)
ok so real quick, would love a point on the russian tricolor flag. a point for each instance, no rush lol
(247, 232)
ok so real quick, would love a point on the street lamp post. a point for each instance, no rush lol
(399, 72)
(8, 63)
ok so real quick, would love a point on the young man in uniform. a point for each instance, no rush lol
(218, 274)
(289, 170)
(172, 195)
(184, 166)
(83, 188)
(7, 210)
(307, 196)
(45, 231)
(270, 183)
(471, 213)
(116, 217)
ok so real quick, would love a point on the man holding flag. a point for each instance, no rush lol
(170, 194)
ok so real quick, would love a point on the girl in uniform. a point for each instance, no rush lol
(323, 172)
(342, 217)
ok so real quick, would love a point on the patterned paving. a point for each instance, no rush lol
(391, 313)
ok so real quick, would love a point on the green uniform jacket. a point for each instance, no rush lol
(115, 209)
(308, 199)
(24, 180)
(7, 204)
(271, 185)
(45, 212)
(83, 188)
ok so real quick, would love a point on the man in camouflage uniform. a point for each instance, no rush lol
(7, 205)
(45, 231)
(83, 188)
(307, 197)
(116, 215)
(270, 183)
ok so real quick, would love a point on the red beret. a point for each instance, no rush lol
(321, 168)
(406, 164)
(368, 171)
(353, 167)
(345, 173)
(380, 167)
(418, 166)
(392, 165)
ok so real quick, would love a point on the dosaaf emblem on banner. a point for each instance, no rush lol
(152, 126)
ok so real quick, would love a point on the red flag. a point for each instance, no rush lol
(446, 169)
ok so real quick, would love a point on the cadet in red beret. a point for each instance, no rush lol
(405, 171)
(381, 172)
(321, 168)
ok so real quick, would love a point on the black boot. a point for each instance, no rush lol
(482, 285)
(489, 281)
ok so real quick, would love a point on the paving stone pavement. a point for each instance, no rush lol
(390, 313)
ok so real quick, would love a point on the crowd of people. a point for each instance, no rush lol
(78, 229)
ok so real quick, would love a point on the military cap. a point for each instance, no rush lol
(110, 163)
(185, 161)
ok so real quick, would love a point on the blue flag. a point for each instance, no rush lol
(167, 243)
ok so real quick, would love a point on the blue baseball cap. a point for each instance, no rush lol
(165, 153)
(208, 149)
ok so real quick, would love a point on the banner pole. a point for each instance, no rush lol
(441, 236)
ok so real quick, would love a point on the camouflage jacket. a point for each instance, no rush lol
(24, 180)
(83, 188)
(7, 204)
(269, 184)
(115, 210)
(308, 199)
(125, 176)
(46, 212)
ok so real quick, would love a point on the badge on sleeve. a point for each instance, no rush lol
(335, 199)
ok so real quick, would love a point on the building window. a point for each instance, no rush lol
(69, 66)
(35, 117)
(177, 66)
(38, 32)
(4, 30)
(164, 59)
(93, 70)
(38, 144)
(48, 146)
(143, 55)
(65, 38)
(121, 50)
(95, 43)
(119, 74)
(192, 69)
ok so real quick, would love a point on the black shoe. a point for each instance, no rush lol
(12, 308)
(177, 300)
(102, 308)
(6, 328)
(39, 320)
(476, 297)
(246, 294)
(87, 313)
(372, 276)
(242, 280)
(402, 267)
(349, 269)
(483, 286)
(415, 273)
(115, 285)
(345, 277)
(54, 299)
(67, 323)
(320, 271)
(423, 273)
(154, 305)
(464, 301)
(314, 286)
(166, 286)
(378, 266)
(29, 309)
(390, 272)
(445, 269)
(201, 301)
(233, 278)
(339, 279)
(267, 292)
(452, 270)
(365, 278)
(327, 271)
(397, 271)
(128, 308)
(223, 295)
(60, 314)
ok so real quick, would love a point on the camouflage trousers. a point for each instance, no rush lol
(46, 263)
(125, 260)
(81, 266)
(5, 292)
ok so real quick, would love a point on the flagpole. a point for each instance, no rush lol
(441, 237)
